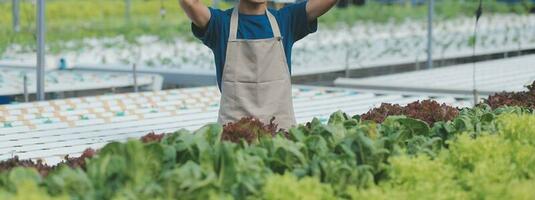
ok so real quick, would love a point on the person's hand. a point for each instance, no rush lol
(197, 12)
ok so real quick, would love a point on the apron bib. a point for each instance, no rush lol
(256, 79)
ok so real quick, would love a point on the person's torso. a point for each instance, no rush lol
(249, 27)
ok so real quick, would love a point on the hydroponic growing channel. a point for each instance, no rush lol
(50, 130)
(12, 81)
(474, 153)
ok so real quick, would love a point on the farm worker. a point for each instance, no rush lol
(252, 47)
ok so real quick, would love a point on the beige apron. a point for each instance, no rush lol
(256, 81)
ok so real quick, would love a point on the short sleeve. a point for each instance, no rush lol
(298, 20)
(209, 34)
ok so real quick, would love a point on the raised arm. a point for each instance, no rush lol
(197, 12)
(316, 8)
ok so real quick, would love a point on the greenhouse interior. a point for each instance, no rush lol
(267, 99)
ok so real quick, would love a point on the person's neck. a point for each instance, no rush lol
(249, 8)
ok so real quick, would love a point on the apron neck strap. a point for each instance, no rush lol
(234, 24)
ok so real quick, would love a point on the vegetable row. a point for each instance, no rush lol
(472, 153)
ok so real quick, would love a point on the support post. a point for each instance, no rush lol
(430, 13)
(153, 82)
(347, 63)
(41, 31)
(25, 82)
(476, 97)
(127, 8)
(16, 15)
(134, 74)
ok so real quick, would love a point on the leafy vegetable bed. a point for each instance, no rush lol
(479, 153)
(523, 99)
(427, 110)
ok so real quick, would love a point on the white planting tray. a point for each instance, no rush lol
(511, 74)
(52, 129)
(12, 80)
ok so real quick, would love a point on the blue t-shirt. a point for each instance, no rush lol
(292, 20)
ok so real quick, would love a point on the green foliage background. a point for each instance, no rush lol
(69, 20)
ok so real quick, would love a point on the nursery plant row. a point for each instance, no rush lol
(424, 150)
